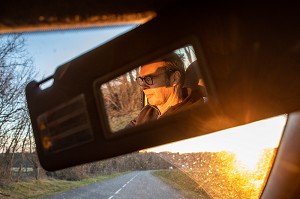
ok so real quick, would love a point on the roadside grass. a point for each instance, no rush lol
(41, 188)
(182, 183)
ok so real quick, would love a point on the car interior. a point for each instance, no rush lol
(246, 54)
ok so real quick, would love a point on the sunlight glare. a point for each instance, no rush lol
(247, 142)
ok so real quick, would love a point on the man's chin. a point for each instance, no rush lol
(151, 102)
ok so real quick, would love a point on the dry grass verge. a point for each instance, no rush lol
(41, 188)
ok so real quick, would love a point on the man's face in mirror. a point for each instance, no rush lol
(162, 88)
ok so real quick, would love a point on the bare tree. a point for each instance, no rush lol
(16, 69)
(188, 53)
(123, 99)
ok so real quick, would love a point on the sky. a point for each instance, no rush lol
(265, 134)
(52, 49)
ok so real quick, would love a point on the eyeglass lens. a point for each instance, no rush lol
(147, 79)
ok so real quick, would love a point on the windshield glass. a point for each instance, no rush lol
(229, 164)
(233, 163)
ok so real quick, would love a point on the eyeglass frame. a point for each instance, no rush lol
(143, 79)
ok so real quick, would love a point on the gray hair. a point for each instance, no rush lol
(174, 62)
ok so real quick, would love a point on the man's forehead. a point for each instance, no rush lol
(152, 68)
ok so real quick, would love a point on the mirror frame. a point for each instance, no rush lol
(189, 40)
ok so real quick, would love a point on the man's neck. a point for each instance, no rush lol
(172, 101)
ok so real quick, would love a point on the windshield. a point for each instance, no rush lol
(233, 163)
(229, 164)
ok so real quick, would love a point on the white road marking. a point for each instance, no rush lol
(123, 186)
(118, 191)
(132, 178)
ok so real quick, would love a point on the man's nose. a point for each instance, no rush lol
(144, 86)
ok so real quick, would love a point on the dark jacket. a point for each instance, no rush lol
(149, 112)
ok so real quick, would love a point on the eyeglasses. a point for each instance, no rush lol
(148, 79)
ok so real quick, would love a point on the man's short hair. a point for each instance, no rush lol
(174, 62)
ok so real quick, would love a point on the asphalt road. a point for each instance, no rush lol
(139, 184)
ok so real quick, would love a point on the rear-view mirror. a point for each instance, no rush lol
(158, 88)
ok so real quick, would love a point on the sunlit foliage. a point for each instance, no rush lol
(221, 175)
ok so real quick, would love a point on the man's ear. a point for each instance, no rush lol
(175, 78)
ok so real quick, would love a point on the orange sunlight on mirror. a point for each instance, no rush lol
(235, 161)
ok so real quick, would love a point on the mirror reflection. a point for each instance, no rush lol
(153, 90)
(123, 99)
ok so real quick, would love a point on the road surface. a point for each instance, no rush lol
(134, 185)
